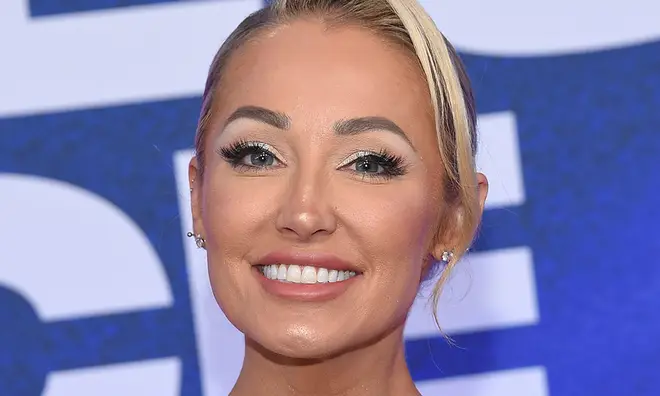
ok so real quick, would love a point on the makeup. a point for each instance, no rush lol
(305, 276)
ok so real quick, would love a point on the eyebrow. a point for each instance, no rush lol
(349, 127)
(261, 114)
(359, 125)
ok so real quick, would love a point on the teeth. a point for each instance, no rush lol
(322, 275)
(309, 275)
(281, 272)
(293, 274)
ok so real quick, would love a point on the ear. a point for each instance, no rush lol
(482, 186)
(195, 183)
(450, 234)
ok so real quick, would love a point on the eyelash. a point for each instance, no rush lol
(237, 151)
(392, 165)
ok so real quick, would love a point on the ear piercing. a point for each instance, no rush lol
(199, 240)
(446, 257)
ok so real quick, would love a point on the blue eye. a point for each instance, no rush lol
(368, 164)
(375, 165)
(260, 159)
(254, 155)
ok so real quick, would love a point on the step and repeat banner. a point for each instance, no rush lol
(102, 294)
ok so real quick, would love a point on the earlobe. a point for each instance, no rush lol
(445, 244)
(195, 185)
(436, 262)
(452, 236)
(443, 255)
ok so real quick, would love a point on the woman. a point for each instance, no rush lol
(334, 172)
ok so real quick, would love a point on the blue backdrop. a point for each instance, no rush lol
(587, 127)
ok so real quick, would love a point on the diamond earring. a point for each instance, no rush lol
(446, 257)
(199, 240)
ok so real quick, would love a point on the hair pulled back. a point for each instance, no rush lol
(407, 24)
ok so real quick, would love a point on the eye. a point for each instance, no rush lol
(367, 164)
(375, 165)
(260, 159)
(253, 155)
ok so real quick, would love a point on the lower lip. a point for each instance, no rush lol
(314, 292)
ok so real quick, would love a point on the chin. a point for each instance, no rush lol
(303, 342)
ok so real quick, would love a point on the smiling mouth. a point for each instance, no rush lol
(291, 273)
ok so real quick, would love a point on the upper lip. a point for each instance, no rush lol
(312, 259)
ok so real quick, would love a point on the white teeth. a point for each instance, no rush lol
(307, 274)
(332, 276)
(281, 272)
(322, 275)
(267, 272)
(293, 274)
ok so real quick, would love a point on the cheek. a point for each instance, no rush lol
(233, 210)
(393, 226)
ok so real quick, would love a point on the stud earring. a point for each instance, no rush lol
(192, 182)
(446, 257)
(199, 240)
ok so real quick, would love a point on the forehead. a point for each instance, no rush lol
(310, 71)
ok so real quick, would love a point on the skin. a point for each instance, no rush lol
(352, 345)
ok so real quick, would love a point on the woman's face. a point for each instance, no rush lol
(321, 164)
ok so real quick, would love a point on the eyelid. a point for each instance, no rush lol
(355, 156)
(267, 147)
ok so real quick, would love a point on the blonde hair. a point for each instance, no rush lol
(404, 22)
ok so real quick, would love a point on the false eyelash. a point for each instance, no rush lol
(236, 151)
(393, 165)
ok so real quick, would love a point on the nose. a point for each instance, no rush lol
(306, 212)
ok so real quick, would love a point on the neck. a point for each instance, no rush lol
(377, 369)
